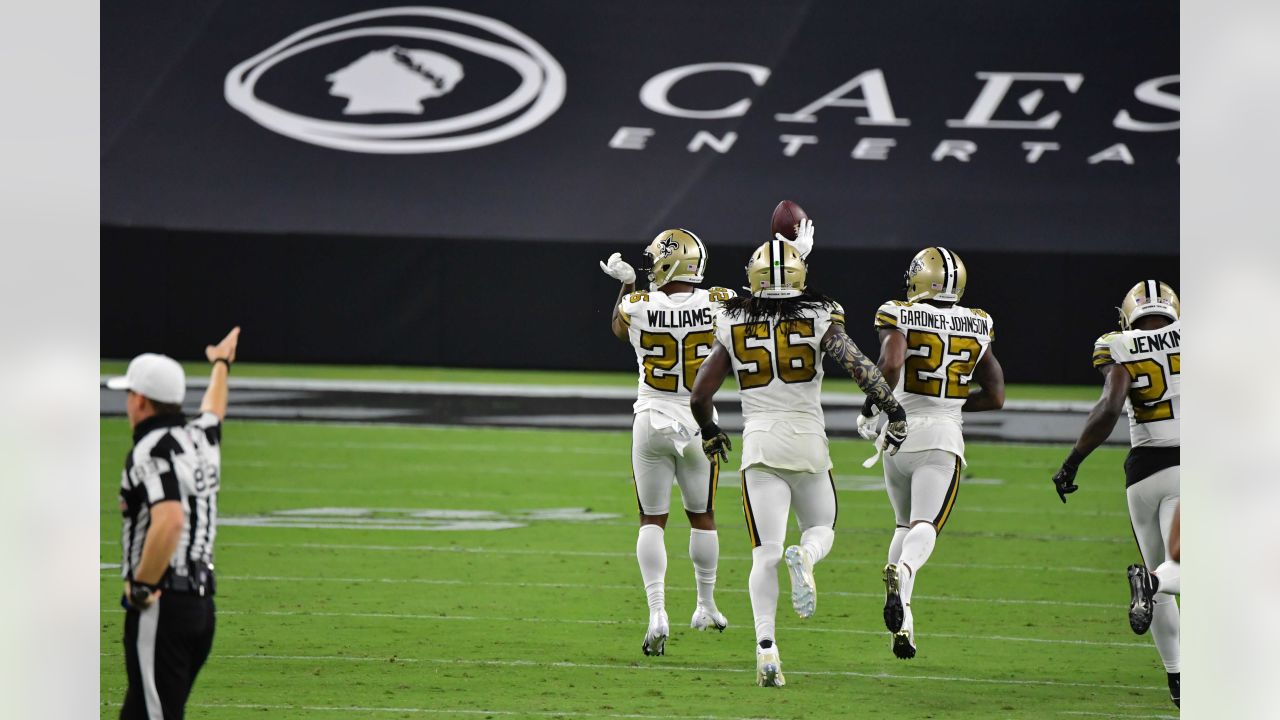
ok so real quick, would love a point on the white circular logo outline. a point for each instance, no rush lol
(541, 91)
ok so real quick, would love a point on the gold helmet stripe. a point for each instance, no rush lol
(950, 273)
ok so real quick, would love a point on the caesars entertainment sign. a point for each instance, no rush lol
(1155, 109)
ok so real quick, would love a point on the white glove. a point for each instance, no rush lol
(804, 238)
(867, 424)
(618, 269)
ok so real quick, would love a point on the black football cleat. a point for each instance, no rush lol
(1141, 599)
(893, 614)
(1175, 688)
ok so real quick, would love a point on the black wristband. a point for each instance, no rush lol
(867, 405)
(140, 591)
(1074, 459)
(709, 431)
(223, 360)
(897, 413)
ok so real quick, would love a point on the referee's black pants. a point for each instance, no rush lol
(165, 646)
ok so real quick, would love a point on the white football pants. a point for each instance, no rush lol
(662, 456)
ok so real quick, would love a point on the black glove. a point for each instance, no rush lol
(895, 433)
(715, 443)
(1064, 479)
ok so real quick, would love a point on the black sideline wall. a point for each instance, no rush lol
(516, 304)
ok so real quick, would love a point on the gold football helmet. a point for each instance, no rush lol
(776, 270)
(936, 273)
(1149, 297)
(676, 255)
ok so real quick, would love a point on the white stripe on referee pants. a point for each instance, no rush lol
(148, 621)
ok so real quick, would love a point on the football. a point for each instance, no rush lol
(786, 217)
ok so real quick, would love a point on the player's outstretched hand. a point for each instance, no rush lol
(804, 238)
(226, 348)
(867, 420)
(895, 433)
(618, 269)
(1064, 481)
(715, 443)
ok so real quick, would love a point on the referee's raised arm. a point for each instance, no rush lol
(221, 355)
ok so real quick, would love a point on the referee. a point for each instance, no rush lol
(169, 498)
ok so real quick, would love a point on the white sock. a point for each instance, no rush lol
(817, 542)
(764, 588)
(895, 545)
(1170, 576)
(651, 552)
(1164, 630)
(704, 551)
(917, 546)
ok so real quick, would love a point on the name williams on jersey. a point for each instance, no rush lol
(679, 318)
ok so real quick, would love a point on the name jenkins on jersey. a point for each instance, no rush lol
(672, 335)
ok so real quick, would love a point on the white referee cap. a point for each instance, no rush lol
(157, 377)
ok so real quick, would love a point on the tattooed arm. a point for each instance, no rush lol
(893, 353)
(864, 372)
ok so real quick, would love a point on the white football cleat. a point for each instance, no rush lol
(769, 667)
(655, 639)
(904, 641)
(804, 590)
(705, 617)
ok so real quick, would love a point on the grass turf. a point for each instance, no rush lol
(1020, 613)
(518, 377)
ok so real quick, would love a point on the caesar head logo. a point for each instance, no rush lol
(399, 79)
(394, 80)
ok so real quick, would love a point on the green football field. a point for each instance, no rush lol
(432, 572)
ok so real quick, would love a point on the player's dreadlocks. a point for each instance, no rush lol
(758, 309)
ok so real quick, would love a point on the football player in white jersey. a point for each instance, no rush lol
(1142, 367)
(669, 325)
(774, 341)
(931, 349)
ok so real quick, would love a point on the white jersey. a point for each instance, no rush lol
(672, 336)
(778, 365)
(944, 346)
(1154, 363)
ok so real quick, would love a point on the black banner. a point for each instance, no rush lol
(991, 126)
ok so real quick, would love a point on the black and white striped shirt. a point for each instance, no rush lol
(172, 459)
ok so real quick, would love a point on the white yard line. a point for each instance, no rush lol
(660, 666)
(443, 711)
(618, 554)
(1087, 712)
(835, 396)
(673, 588)
(577, 621)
